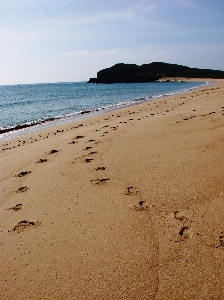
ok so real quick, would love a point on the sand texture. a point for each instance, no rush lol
(125, 205)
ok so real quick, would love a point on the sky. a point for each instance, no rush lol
(45, 41)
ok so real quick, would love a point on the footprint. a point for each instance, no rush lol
(141, 202)
(83, 159)
(93, 152)
(22, 189)
(221, 239)
(140, 207)
(53, 151)
(79, 136)
(179, 215)
(185, 232)
(87, 148)
(99, 181)
(25, 224)
(131, 191)
(87, 160)
(41, 160)
(73, 142)
(21, 174)
(16, 207)
(100, 168)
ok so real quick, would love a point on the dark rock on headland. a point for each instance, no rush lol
(131, 73)
(125, 73)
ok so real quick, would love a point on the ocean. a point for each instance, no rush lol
(29, 105)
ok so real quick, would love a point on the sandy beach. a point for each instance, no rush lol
(125, 205)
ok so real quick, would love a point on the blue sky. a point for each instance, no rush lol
(70, 40)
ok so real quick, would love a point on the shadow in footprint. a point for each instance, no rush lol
(22, 189)
(92, 153)
(53, 151)
(87, 160)
(41, 160)
(179, 215)
(25, 224)
(16, 207)
(99, 181)
(100, 168)
(185, 232)
(73, 142)
(221, 239)
(131, 191)
(79, 137)
(140, 207)
(21, 174)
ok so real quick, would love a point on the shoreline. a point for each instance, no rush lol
(34, 126)
(128, 204)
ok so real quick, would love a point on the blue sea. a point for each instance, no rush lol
(32, 104)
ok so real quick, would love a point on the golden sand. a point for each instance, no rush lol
(125, 205)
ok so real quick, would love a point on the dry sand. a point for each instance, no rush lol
(129, 205)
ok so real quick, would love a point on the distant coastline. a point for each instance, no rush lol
(131, 73)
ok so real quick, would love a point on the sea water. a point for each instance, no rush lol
(31, 104)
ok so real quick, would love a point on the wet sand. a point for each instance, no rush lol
(124, 205)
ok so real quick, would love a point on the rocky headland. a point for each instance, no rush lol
(131, 73)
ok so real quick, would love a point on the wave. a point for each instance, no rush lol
(49, 119)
